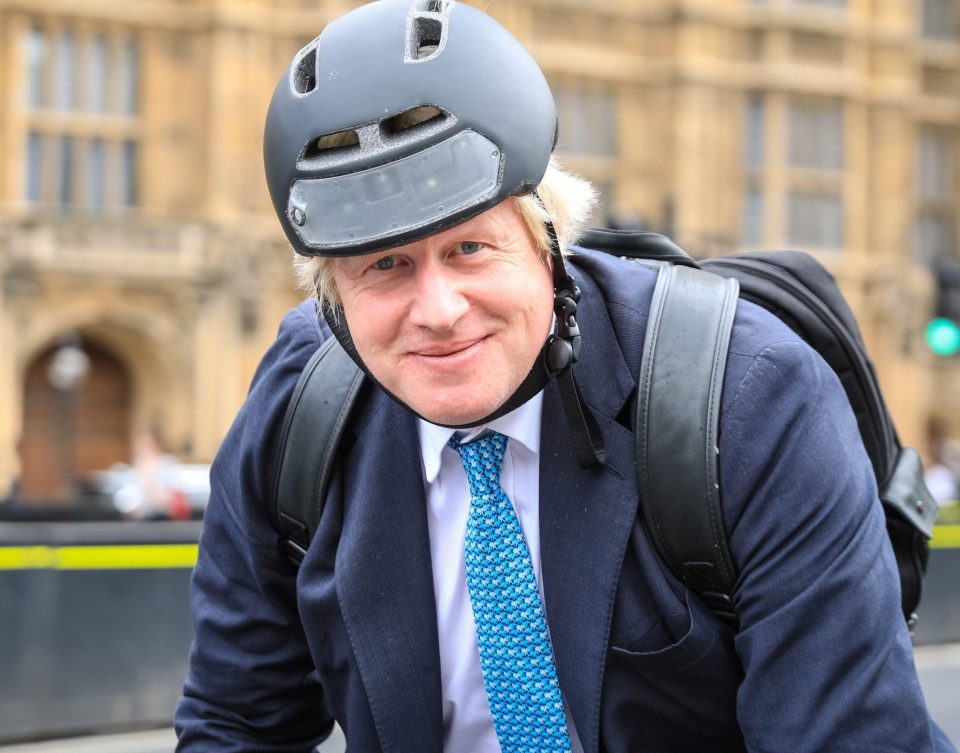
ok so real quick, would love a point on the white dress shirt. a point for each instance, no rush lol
(467, 722)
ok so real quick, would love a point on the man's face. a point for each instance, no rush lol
(451, 324)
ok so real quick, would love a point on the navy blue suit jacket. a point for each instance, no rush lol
(822, 661)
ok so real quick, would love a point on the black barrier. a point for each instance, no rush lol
(940, 609)
(94, 625)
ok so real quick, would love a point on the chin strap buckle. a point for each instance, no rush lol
(566, 298)
(563, 348)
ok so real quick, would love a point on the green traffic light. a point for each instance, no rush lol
(943, 337)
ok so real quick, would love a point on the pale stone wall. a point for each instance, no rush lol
(188, 288)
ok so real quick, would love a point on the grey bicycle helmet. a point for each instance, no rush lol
(404, 118)
(401, 119)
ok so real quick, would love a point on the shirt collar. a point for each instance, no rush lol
(521, 425)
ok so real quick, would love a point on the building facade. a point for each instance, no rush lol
(143, 273)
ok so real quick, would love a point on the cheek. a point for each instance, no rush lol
(368, 318)
(540, 298)
(369, 328)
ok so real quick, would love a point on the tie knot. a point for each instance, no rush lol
(482, 460)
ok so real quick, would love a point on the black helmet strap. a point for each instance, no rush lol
(562, 350)
(558, 354)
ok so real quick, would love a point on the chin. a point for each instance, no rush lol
(466, 404)
(454, 419)
(454, 414)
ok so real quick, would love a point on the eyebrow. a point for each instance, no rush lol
(488, 229)
(350, 265)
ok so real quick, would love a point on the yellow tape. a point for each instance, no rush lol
(163, 556)
(26, 557)
(946, 537)
(112, 557)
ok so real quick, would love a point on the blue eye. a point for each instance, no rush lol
(385, 263)
(469, 247)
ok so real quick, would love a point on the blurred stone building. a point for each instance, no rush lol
(143, 273)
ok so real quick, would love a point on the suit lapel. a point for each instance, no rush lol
(385, 583)
(586, 517)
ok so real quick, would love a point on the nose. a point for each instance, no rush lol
(439, 299)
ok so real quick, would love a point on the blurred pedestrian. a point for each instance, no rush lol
(942, 474)
(152, 492)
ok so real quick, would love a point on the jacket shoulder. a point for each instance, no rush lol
(248, 454)
(626, 289)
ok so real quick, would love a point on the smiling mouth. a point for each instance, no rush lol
(449, 351)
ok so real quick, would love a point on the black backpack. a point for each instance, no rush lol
(688, 332)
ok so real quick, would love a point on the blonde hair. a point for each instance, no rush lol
(564, 198)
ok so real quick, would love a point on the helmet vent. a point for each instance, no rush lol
(425, 116)
(426, 29)
(305, 72)
(327, 148)
(429, 31)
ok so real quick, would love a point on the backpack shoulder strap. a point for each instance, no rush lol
(677, 427)
(312, 427)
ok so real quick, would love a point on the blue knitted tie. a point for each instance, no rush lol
(515, 653)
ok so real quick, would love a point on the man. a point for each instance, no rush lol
(471, 587)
